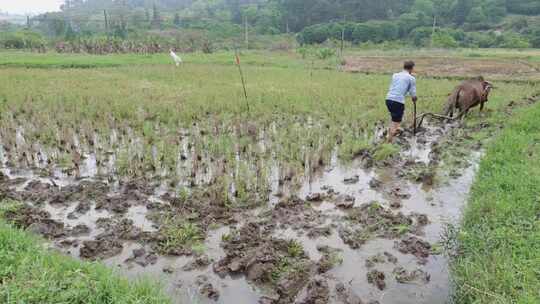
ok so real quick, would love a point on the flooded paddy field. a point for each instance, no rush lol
(345, 233)
(294, 199)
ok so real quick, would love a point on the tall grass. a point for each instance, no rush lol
(31, 274)
(302, 113)
(499, 241)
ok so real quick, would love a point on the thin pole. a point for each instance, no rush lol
(343, 35)
(106, 22)
(342, 40)
(414, 119)
(242, 77)
(246, 32)
(433, 29)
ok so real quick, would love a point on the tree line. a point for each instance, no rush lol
(295, 15)
(443, 23)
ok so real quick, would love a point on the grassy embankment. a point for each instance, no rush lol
(29, 273)
(499, 241)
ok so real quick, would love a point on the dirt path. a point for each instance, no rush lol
(351, 234)
(495, 69)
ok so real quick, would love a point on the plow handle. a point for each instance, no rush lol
(414, 119)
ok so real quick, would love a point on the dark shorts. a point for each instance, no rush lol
(396, 109)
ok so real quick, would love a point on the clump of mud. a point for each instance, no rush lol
(417, 276)
(199, 262)
(278, 265)
(142, 258)
(299, 215)
(380, 258)
(415, 246)
(35, 220)
(185, 219)
(330, 258)
(376, 277)
(206, 288)
(318, 291)
(373, 220)
(100, 248)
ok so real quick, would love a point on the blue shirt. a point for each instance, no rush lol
(402, 83)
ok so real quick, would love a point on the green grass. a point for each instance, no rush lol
(179, 236)
(499, 242)
(385, 151)
(284, 59)
(31, 274)
(304, 114)
(53, 60)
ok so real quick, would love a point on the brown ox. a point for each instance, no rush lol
(467, 95)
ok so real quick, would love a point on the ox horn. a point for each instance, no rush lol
(489, 85)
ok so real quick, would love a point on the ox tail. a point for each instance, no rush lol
(456, 104)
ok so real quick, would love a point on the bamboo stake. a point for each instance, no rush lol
(242, 77)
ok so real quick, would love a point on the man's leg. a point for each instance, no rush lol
(396, 112)
(394, 127)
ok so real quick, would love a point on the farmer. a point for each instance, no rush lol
(403, 83)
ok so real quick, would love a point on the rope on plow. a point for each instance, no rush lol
(421, 118)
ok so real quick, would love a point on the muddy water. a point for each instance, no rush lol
(442, 205)
(336, 184)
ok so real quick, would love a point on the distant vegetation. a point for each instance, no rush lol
(206, 25)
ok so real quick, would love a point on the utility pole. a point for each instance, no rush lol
(246, 29)
(342, 40)
(433, 29)
(106, 22)
(342, 37)
(123, 17)
(28, 25)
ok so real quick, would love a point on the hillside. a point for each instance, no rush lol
(432, 23)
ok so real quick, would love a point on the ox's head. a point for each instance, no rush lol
(487, 89)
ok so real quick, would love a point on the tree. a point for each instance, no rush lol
(495, 10)
(514, 41)
(364, 32)
(156, 17)
(147, 15)
(177, 21)
(406, 23)
(535, 37)
(462, 11)
(424, 6)
(314, 34)
(389, 30)
(443, 39)
(526, 7)
(477, 16)
(421, 35)
(70, 33)
(268, 21)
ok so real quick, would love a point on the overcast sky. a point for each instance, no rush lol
(29, 6)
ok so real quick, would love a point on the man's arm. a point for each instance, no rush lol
(412, 89)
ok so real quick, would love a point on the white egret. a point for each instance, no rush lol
(176, 58)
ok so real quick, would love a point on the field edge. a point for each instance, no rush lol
(30, 273)
(498, 242)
